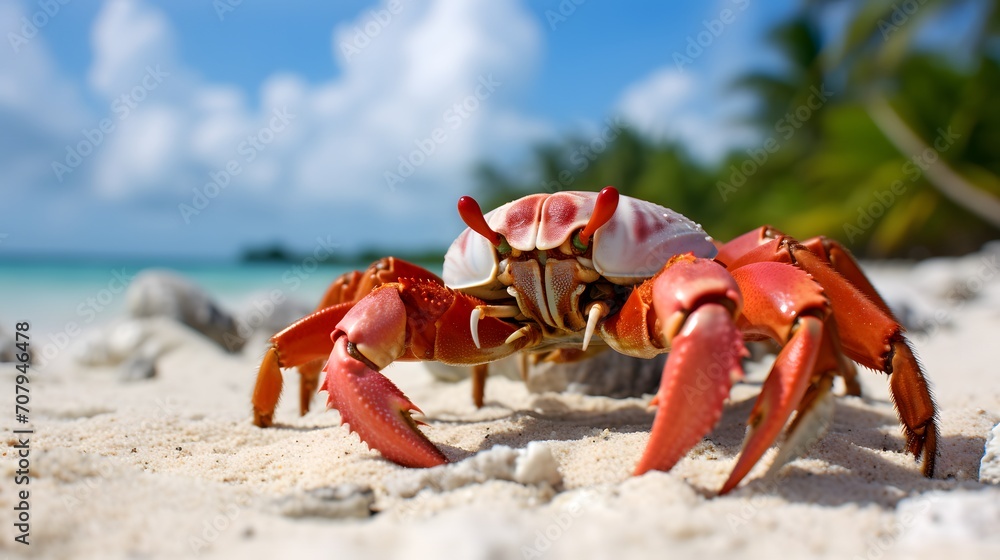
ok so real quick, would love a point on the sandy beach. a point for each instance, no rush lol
(183, 180)
(171, 467)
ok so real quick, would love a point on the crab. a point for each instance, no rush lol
(569, 273)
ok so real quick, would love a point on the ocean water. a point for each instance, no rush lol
(60, 297)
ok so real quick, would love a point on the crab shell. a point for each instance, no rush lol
(633, 246)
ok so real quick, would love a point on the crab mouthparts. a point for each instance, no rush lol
(595, 312)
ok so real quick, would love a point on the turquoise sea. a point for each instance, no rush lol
(50, 295)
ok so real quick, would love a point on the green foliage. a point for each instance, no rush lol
(903, 160)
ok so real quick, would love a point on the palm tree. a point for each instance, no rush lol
(942, 120)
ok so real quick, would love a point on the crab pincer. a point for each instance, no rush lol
(405, 320)
(695, 301)
(366, 340)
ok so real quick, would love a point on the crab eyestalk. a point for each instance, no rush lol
(472, 215)
(604, 209)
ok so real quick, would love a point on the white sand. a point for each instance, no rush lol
(144, 469)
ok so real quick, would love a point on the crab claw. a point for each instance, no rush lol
(369, 337)
(704, 358)
(377, 410)
(695, 300)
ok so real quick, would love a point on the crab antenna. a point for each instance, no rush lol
(472, 215)
(604, 208)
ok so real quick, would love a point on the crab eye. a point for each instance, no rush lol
(604, 209)
(473, 217)
(578, 242)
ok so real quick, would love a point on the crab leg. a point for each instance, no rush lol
(811, 421)
(783, 303)
(303, 342)
(784, 388)
(479, 374)
(694, 302)
(306, 343)
(409, 319)
(828, 250)
(353, 286)
(831, 251)
(873, 338)
(695, 384)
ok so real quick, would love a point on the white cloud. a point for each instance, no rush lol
(654, 104)
(668, 105)
(397, 89)
(180, 128)
(346, 133)
(126, 37)
(694, 102)
(31, 88)
(40, 111)
(140, 152)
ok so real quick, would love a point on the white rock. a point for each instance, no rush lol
(537, 465)
(532, 466)
(163, 293)
(989, 467)
(142, 363)
(110, 345)
(331, 502)
(134, 345)
(954, 517)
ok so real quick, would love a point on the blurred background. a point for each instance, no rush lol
(235, 141)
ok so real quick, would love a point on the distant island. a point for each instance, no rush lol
(278, 253)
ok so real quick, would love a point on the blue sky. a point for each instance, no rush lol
(298, 114)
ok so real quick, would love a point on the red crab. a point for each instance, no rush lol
(551, 272)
